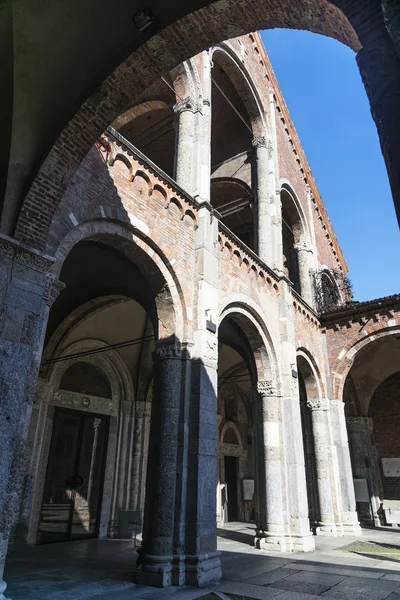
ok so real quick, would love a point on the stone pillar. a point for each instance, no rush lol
(185, 124)
(202, 559)
(271, 531)
(363, 459)
(275, 193)
(156, 554)
(295, 484)
(137, 456)
(379, 66)
(264, 228)
(305, 255)
(322, 447)
(203, 134)
(26, 293)
(351, 525)
(95, 459)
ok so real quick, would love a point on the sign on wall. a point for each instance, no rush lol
(248, 489)
(391, 467)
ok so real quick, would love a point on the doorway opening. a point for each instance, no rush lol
(231, 481)
(74, 479)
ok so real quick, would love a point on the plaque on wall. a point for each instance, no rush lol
(248, 489)
(391, 467)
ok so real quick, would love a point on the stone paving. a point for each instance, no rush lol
(102, 569)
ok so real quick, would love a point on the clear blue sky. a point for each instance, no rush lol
(323, 90)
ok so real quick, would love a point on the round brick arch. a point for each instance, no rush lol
(342, 366)
(170, 302)
(219, 21)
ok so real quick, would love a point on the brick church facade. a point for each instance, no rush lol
(179, 347)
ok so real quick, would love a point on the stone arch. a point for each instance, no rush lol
(299, 218)
(231, 425)
(253, 323)
(244, 85)
(186, 82)
(315, 385)
(137, 111)
(345, 360)
(171, 308)
(112, 365)
(138, 71)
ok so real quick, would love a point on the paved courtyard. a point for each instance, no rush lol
(100, 569)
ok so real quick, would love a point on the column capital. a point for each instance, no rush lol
(172, 349)
(260, 142)
(185, 104)
(303, 247)
(52, 289)
(318, 404)
(24, 255)
(268, 388)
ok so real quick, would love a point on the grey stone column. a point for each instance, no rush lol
(295, 483)
(26, 293)
(305, 255)
(322, 447)
(185, 124)
(264, 228)
(363, 459)
(156, 553)
(351, 525)
(271, 532)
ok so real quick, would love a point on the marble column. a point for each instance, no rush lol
(264, 228)
(275, 193)
(156, 554)
(379, 65)
(185, 124)
(26, 293)
(350, 525)
(305, 255)
(295, 482)
(322, 447)
(364, 463)
(271, 532)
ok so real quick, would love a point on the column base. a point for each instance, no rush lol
(202, 569)
(350, 525)
(327, 530)
(285, 542)
(154, 571)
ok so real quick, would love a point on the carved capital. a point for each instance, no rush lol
(168, 349)
(259, 142)
(24, 256)
(186, 104)
(318, 404)
(268, 388)
(303, 247)
(53, 287)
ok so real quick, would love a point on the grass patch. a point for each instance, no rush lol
(372, 549)
(235, 597)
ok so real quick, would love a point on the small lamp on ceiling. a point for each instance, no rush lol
(144, 19)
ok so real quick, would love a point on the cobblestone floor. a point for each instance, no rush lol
(100, 569)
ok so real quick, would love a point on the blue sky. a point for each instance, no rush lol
(323, 90)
